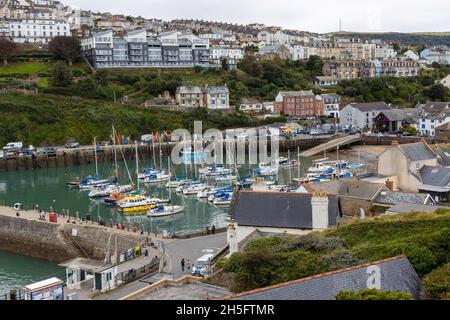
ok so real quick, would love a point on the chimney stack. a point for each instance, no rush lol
(319, 210)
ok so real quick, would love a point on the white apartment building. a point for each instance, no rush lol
(222, 51)
(331, 103)
(37, 31)
(360, 115)
(299, 52)
(80, 18)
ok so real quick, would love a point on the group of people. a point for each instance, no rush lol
(186, 265)
(212, 231)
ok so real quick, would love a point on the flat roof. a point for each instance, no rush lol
(90, 265)
(43, 284)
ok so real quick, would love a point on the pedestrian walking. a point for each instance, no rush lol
(182, 265)
(188, 266)
(213, 229)
(207, 230)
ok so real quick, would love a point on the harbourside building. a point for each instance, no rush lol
(331, 102)
(140, 49)
(361, 115)
(299, 103)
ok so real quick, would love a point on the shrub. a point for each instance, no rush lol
(436, 284)
(372, 294)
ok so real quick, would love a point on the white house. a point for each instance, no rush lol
(37, 31)
(331, 104)
(360, 115)
(430, 121)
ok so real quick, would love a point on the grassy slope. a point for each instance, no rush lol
(424, 238)
(24, 68)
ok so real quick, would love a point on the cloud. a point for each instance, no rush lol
(316, 16)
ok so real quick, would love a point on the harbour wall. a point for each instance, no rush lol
(87, 156)
(56, 241)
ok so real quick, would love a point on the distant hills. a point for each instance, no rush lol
(416, 38)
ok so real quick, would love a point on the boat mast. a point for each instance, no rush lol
(95, 155)
(137, 165)
(298, 161)
(115, 151)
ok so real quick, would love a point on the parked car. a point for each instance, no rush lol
(201, 265)
(50, 151)
(72, 145)
(13, 146)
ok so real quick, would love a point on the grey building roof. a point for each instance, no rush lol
(394, 197)
(371, 106)
(218, 89)
(296, 93)
(435, 176)
(409, 115)
(417, 151)
(191, 89)
(412, 207)
(279, 209)
(396, 274)
(326, 78)
(349, 188)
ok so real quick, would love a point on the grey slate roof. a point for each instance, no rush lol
(371, 106)
(417, 151)
(396, 274)
(412, 207)
(348, 188)
(402, 114)
(394, 197)
(279, 209)
(435, 176)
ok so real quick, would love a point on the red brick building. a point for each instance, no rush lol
(299, 103)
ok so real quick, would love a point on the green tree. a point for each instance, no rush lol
(437, 92)
(437, 283)
(7, 49)
(65, 48)
(314, 65)
(225, 64)
(61, 75)
(102, 77)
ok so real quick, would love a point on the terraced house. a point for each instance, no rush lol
(213, 98)
(140, 49)
(299, 103)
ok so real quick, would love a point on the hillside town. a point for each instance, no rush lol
(353, 202)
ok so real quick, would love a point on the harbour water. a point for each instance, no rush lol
(47, 188)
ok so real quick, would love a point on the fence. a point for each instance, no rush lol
(134, 274)
(13, 295)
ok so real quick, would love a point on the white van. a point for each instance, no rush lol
(13, 146)
(202, 265)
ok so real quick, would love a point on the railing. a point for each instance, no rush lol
(134, 274)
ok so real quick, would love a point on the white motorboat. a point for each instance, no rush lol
(194, 189)
(147, 173)
(203, 194)
(107, 190)
(177, 183)
(223, 201)
(163, 211)
(225, 178)
(157, 178)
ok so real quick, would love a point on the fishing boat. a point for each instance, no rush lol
(116, 196)
(163, 211)
(139, 203)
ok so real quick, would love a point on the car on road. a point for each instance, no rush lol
(202, 265)
(72, 145)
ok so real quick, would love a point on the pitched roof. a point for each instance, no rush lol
(396, 274)
(400, 208)
(435, 176)
(371, 106)
(401, 114)
(417, 151)
(444, 127)
(349, 188)
(394, 197)
(279, 209)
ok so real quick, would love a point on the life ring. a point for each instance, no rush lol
(17, 206)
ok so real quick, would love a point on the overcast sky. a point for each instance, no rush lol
(309, 15)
